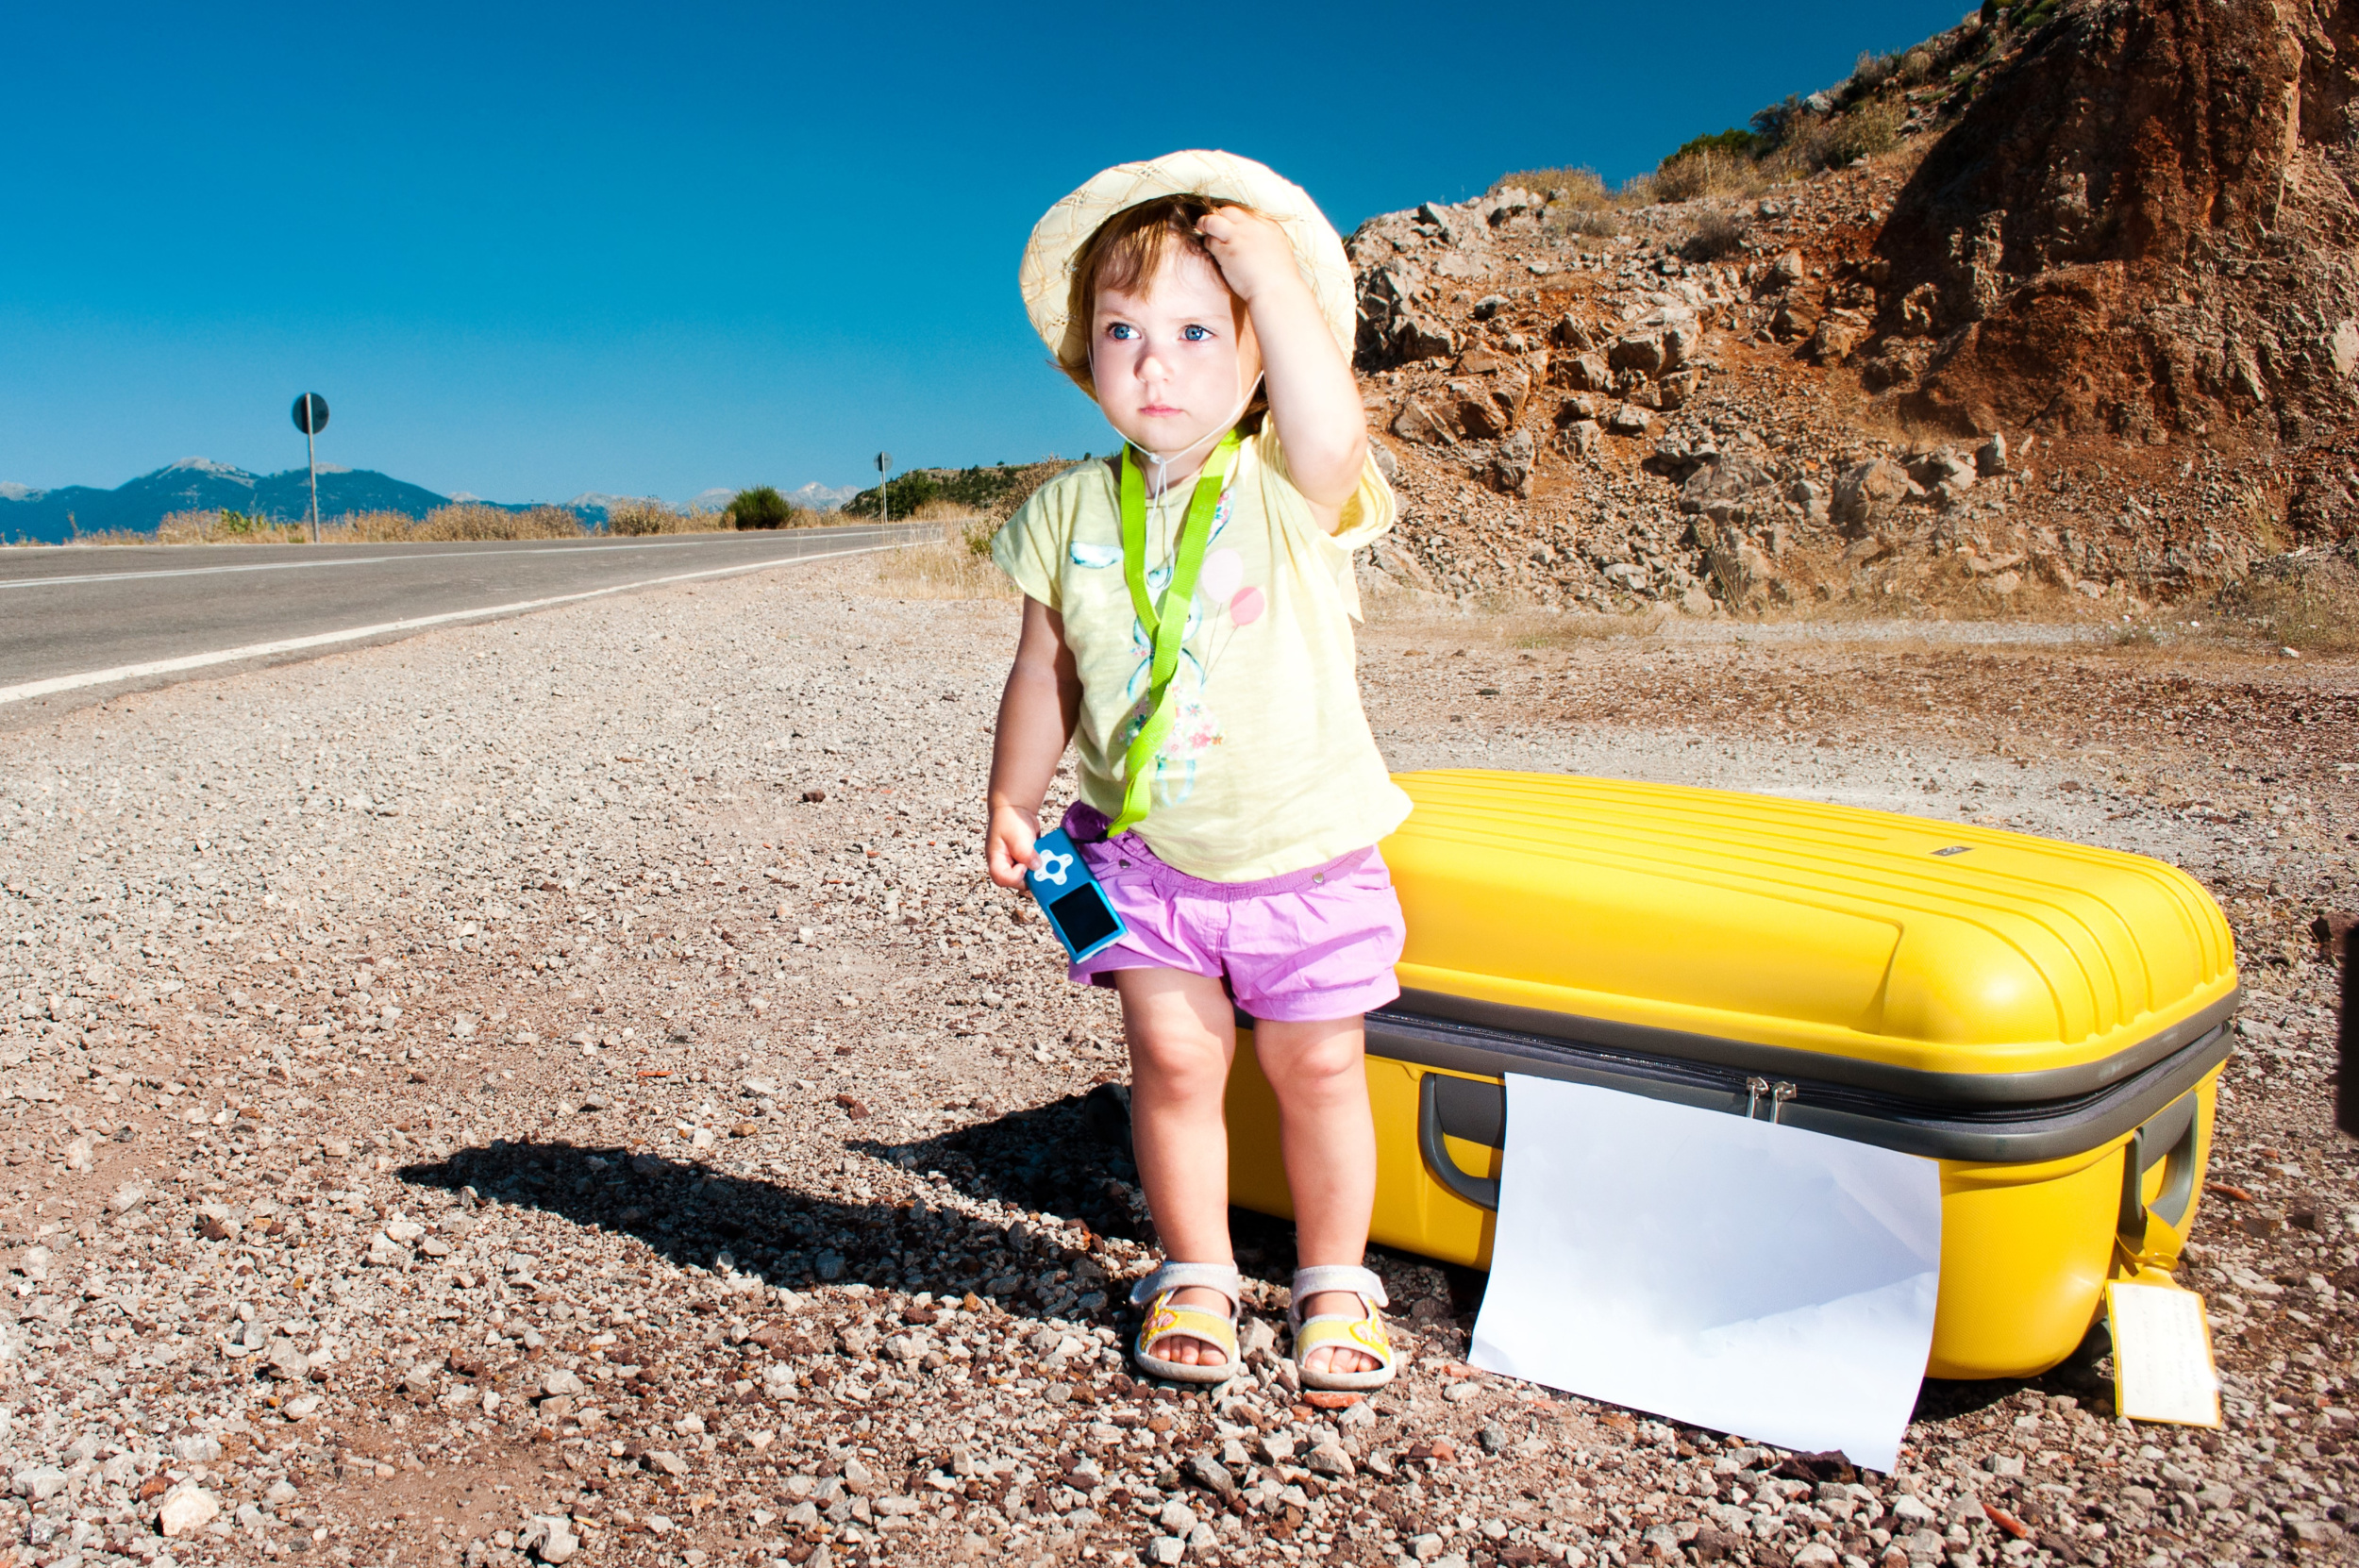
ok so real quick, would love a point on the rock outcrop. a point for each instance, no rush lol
(2141, 227)
(2090, 331)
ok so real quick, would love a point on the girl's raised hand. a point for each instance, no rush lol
(1251, 251)
(1007, 845)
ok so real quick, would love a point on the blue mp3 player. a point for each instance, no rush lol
(1077, 909)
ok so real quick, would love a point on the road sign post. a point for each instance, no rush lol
(884, 486)
(310, 417)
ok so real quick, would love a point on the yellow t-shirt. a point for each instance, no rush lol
(1269, 767)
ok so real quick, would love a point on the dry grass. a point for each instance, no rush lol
(638, 519)
(956, 566)
(1716, 235)
(1507, 618)
(1561, 631)
(1709, 173)
(221, 526)
(1580, 189)
(460, 521)
(1868, 130)
(178, 521)
(2308, 601)
(1580, 201)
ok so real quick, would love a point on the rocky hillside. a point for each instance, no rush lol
(2084, 335)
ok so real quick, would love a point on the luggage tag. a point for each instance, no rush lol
(2163, 1366)
(1079, 910)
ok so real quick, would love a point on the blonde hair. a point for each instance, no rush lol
(1127, 248)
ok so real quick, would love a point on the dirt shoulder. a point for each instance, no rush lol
(564, 1082)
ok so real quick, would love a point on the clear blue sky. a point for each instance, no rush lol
(530, 251)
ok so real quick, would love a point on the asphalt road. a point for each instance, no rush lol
(79, 624)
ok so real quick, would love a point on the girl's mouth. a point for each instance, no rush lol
(1157, 410)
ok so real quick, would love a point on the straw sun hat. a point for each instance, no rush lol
(1046, 276)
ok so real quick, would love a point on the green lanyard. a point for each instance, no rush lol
(1165, 629)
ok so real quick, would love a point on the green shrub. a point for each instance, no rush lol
(1732, 143)
(762, 507)
(995, 489)
(1777, 124)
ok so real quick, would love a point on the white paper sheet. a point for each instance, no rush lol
(2162, 1355)
(1752, 1279)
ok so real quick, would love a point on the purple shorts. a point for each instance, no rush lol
(1310, 945)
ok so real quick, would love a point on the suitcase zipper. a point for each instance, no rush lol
(2003, 1134)
(1779, 1094)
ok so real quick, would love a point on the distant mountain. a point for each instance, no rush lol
(595, 503)
(200, 484)
(822, 497)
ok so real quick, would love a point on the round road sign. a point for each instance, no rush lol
(311, 413)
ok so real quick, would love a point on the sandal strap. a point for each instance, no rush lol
(1182, 1276)
(1365, 1334)
(1165, 1320)
(1364, 1283)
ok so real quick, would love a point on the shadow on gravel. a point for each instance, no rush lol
(1069, 1158)
(1037, 1159)
(2086, 1376)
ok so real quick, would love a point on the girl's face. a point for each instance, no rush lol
(1171, 359)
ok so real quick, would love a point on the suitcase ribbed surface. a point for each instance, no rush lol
(1864, 934)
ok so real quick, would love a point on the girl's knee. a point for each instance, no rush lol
(1187, 1068)
(1318, 1067)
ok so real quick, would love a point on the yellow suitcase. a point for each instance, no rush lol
(2045, 1020)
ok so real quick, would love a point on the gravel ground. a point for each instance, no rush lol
(563, 1089)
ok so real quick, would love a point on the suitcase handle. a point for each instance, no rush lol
(2170, 1135)
(1474, 1109)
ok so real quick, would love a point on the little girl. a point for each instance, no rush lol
(1187, 625)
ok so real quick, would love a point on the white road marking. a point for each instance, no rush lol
(321, 639)
(358, 561)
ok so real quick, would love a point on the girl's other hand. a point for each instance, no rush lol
(1007, 845)
(1251, 251)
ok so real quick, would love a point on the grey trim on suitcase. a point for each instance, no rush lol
(2170, 1136)
(1999, 1135)
(1779, 1062)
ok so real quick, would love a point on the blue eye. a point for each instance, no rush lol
(1195, 334)
(1122, 331)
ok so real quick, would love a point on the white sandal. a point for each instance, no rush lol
(1365, 1333)
(1165, 1318)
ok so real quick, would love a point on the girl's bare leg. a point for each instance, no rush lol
(1328, 1135)
(1182, 1033)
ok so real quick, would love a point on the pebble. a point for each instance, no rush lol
(1212, 1474)
(185, 1508)
(1330, 1459)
